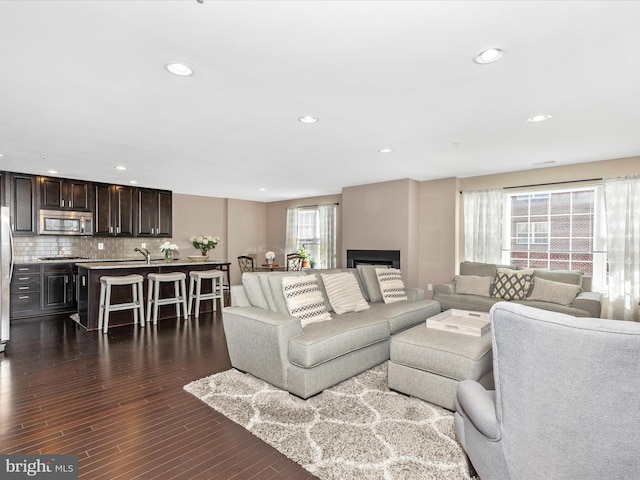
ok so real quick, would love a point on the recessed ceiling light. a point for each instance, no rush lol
(308, 119)
(180, 69)
(133, 182)
(539, 118)
(1, 155)
(120, 167)
(262, 189)
(385, 150)
(490, 55)
(52, 172)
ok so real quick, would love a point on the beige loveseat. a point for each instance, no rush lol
(564, 291)
(264, 340)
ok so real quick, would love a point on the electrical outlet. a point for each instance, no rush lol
(143, 245)
(430, 287)
(101, 246)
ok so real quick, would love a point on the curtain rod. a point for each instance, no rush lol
(311, 206)
(550, 184)
(555, 183)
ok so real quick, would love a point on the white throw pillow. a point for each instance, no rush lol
(344, 292)
(304, 299)
(391, 285)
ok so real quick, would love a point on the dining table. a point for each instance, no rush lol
(271, 267)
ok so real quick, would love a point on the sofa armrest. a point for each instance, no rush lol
(258, 341)
(589, 301)
(479, 406)
(445, 288)
(414, 294)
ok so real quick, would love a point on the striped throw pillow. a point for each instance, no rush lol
(344, 292)
(304, 299)
(391, 285)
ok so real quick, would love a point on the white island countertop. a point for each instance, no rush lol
(155, 263)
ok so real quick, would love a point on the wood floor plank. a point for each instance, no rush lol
(117, 401)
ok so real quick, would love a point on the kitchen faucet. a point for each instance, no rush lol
(144, 252)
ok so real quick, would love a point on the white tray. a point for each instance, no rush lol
(465, 322)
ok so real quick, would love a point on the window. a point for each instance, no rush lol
(314, 228)
(555, 230)
(532, 232)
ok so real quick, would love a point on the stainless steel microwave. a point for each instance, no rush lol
(61, 222)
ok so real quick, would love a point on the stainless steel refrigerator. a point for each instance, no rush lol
(6, 268)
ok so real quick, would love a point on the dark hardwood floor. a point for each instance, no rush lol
(117, 401)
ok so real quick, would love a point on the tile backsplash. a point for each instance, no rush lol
(28, 249)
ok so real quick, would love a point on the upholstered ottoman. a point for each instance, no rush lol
(428, 363)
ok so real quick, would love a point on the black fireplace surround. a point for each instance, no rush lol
(373, 257)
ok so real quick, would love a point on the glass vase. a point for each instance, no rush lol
(168, 256)
(205, 253)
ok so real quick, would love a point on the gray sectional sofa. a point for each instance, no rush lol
(564, 291)
(264, 340)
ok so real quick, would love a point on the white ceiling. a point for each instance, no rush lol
(84, 83)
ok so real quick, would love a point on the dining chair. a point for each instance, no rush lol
(246, 263)
(294, 261)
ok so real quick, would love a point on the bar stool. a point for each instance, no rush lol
(195, 280)
(106, 306)
(153, 293)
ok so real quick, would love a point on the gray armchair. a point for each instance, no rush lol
(566, 403)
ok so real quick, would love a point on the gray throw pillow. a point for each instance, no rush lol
(554, 292)
(473, 285)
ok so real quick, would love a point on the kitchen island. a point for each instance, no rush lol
(89, 274)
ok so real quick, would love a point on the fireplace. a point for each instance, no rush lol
(373, 257)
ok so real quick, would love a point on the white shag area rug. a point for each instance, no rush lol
(358, 429)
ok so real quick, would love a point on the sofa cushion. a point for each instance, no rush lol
(253, 289)
(403, 315)
(304, 299)
(554, 292)
(322, 342)
(391, 285)
(478, 269)
(465, 302)
(473, 285)
(369, 278)
(512, 286)
(573, 277)
(344, 293)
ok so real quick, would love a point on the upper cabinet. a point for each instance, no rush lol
(23, 203)
(64, 194)
(3, 189)
(114, 208)
(118, 210)
(153, 213)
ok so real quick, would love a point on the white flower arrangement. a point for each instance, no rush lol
(168, 246)
(204, 243)
(270, 255)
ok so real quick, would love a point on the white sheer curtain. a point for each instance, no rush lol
(622, 206)
(291, 239)
(483, 225)
(327, 236)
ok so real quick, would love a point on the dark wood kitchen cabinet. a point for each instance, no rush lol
(153, 213)
(25, 290)
(3, 189)
(59, 286)
(114, 211)
(65, 194)
(23, 203)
